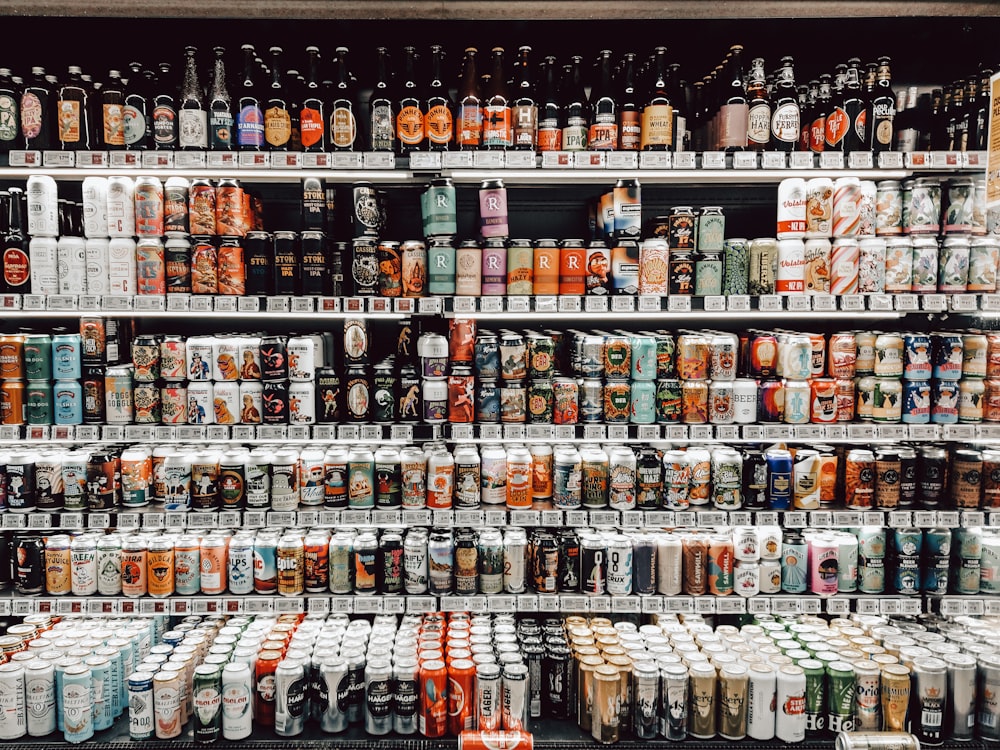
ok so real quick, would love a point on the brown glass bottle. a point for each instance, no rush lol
(72, 125)
(409, 110)
(312, 108)
(469, 110)
(277, 117)
(785, 115)
(734, 111)
(882, 112)
(657, 114)
(854, 108)
(629, 106)
(759, 108)
(439, 121)
(343, 127)
(498, 134)
(220, 106)
(549, 109)
(524, 108)
(603, 132)
(381, 115)
(36, 112)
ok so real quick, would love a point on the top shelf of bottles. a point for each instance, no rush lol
(514, 167)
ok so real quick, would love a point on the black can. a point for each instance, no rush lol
(681, 280)
(335, 276)
(569, 561)
(366, 217)
(932, 475)
(258, 256)
(557, 676)
(6, 548)
(649, 474)
(29, 569)
(544, 562)
(273, 358)
(593, 566)
(315, 268)
(533, 652)
(313, 204)
(384, 397)
(287, 263)
(754, 489)
(358, 389)
(487, 402)
(177, 265)
(643, 564)
(388, 481)
(93, 395)
(408, 395)
(274, 402)
(329, 396)
(390, 563)
(907, 477)
(104, 481)
(487, 355)
(364, 267)
(22, 496)
(540, 401)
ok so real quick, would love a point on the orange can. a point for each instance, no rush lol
(817, 364)
(546, 267)
(57, 565)
(160, 567)
(12, 402)
(693, 356)
(230, 211)
(434, 703)
(461, 695)
(572, 273)
(495, 740)
(824, 400)
(11, 356)
(991, 401)
(134, 567)
(232, 272)
(694, 402)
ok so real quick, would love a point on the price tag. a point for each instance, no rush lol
(342, 604)
(453, 604)
(651, 604)
(513, 432)
(838, 606)
(948, 518)
(547, 304)
(595, 432)
(964, 302)
(831, 160)
(994, 519)
(231, 519)
(730, 606)
(468, 518)
(685, 160)
(40, 521)
(488, 159)
(527, 603)
(945, 159)
(525, 517)
(604, 518)
(367, 605)
(890, 160)
(759, 605)
(740, 518)
(889, 606)
(203, 521)
(686, 519)
(973, 518)
(500, 603)
(392, 605)
(821, 519)
(562, 432)
(551, 603)
(767, 518)
(738, 303)
(23, 607)
(861, 432)
(974, 607)
(521, 160)
(180, 606)
(58, 159)
(711, 518)
(491, 432)
(796, 520)
(552, 518)
(91, 158)
(332, 518)
(579, 518)
(713, 160)
(960, 432)
(371, 433)
(993, 608)
(625, 604)
(745, 160)
(773, 160)
(633, 518)
(678, 604)
(384, 518)
(860, 160)
(704, 605)
(443, 517)
(25, 158)
(785, 605)
(656, 160)
(714, 303)
(348, 433)
(541, 431)
(590, 160)
(420, 604)
(679, 303)
(647, 432)
(318, 605)
(379, 160)
(491, 304)
(626, 304)
(801, 160)
(99, 521)
(496, 518)
(599, 603)
(15, 521)
(935, 303)
(770, 303)
(900, 519)
(569, 304)
(986, 431)
(952, 607)
(520, 304)
(874, 518)
(354, 517)
(843, 519)
(799, 302)
(425, 160)
(700, 431)
(254, 519)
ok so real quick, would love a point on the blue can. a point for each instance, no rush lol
(644, 358)
(794, 563)
(140, 691)
(916, 402)
(486, 356)
(779, 480)
(944, 402)
(947, 351)
(76, 709)
(67, 397)
(100, 672)
(907, 546)
(488, 402)
(937, 560)
(643, 408)
(591, 400)
(265, 565)
(67, 356)
(917, 356)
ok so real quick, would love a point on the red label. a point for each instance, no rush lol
(549, 139)
(859, 124)
(817, 134)
(310, 127)
(629, 130)
(836, 126)
(16, 267)
(470, 125)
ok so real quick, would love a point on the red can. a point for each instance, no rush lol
(824, 401)
(845, 399)
(572, 274)
(771, 402)
(201, 214)
(763, 355)
(232, 274)
(204, 268)
(993, 355)
(461, 695)
(173, 403)
(461, 339)
(263, 704)
(433, 699)
(149, 207)
(461, 396)
(566, 401)
(230, 214)
(12, 402)
(842, 355)
(495, 740)
(991, 401)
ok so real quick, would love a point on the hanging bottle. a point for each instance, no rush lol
(16, 262)
(277, 119)
(785, 116)
(854, 108)
(759, 113)
(603, 132)
(439, 122)
(138, 122)
(36, 112)
(312, 120)
(249, 114)
(409, 112)
(735, 111)
(657, 114)
(295, 83)
(575, 109)
(629, 117)
(220, 104)
(191, 115)
(10, 117)
(165, 134)
(821, 110)
(838, 121)
(497, 130)
(72, 124)
(549, 111)
(883, 109)
(343, 112)
(524, 110)
(381, 119)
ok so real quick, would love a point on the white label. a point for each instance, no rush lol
(831, 160)
(773, 160)
(801, 160)
(713, 160)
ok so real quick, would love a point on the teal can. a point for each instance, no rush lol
(871, 560)
(666, 355)
(937, 560)
(441, 267)
(643, 408)
(68, 402)
(38, 402)
(668, 401)
(102, 686)
(736, 266)
(67, 356)
(37, 356)
(644, 358)
(438, 208)
(77, 706)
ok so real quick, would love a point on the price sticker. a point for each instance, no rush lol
(900, 519)
(759, 605)
(948, 518)
(711, 518)
(745, 160)
(704, 605)
(831, 160)
(633, 518)
(773, 160)
(552, 518)
(384, 518)
(714, 303)
(650, 303)
(569, 304)
(367, 605)
(843, 519)
(579, 518)
(821, 519)
(502, 604)
(738, 303)
(799, 303)
(731, 606)
(713, 160)
(496, 518)
(525, 517)
(838, 606)
(770, 303)
(548, 603)
(623, 304)
(625, 604)
(651, 604)
(679, 303)
(599, 603)
(796, 520)
(527, 603)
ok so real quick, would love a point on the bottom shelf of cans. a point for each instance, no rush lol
(437, 676)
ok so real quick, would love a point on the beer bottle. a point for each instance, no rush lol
(10, 118)
(165, 134)
(381, 120)
(836, 125)
(220, 118)
(16, 261)
(657, 114)
(469, 112)
(138, 127)
(907, 123)
(854, 108)
(524, 111)
(979, 121)
(735, 111)
(759, 108)
(295, 82)
(937, 122)
(95, 113)
(312, 120)
(344, 110)
(111, 134)
(36, 112)
(702, 126)
(968, 117)
(575, 108)
(817, 127)
(883, 109)
(409, 114)
(677, 90)
(603, 132)
(497, 130)
(785, 116)
(191, 115)
(549, 110)
(955, 107)
(629, 125)
(807, 106)
(72, 124)
(277, 116)
(249, 115)
(439, 122)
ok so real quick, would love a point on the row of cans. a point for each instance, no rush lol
(822, 207)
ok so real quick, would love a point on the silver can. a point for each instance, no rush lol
(621, 478)
(961, 695)
(619, 577)
(415, 562)
(515, 549)
(378, 697)
(40, 696)
(289, 698)
(334, 684)
(302, 403)
(237, 701)
(406, 696)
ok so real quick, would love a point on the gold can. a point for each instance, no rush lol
(605, 721)
(734, 683)
(895, 690)
(701, 700)
(586, 666)
(624, 666)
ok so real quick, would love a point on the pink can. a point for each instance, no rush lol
(823, 561)
(845, 258)
(846, 207)
(173, 358)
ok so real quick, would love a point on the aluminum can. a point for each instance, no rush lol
(761, 701)
(237, 698)
(895, 690)
(77, 703)
(289, 698)
(676, 701)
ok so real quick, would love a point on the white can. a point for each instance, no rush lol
(790, 278)
(43, 206)
(846, 207)
(43, 253)
(669, 564)
(790, 723)
(40, 693)
(225, 358)
(71, 265)
(98, 276)
(769, 542)
(15, 724)
(791, 208)
(769, 575)
(744, 401)
(301, 358)
(251, 401)
(312, 477)
(746, 578)
(745, 544)
(237, 720)
(819, 207)
(867, 209)
(122, 267)
(226, 402)
(285, 480)
(200, 402)
(177, 480)
(249, 361)
(199, 351)
(816, 272)
(302, 403)
(493, 473)
(83, 566)
(760, 702)
(95, 207)
(121, 207)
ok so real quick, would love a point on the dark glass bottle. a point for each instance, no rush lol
(295, 83)
(808, 96)
(576, 115)
(838, 121)
(734, 111)
(785, 116)
(677, 88)
(759, 108)
(277, 116)
(112, 99)
(967, 120)
(381, 117)
(938, 122)
(907, 123)
(37, 112)
(657, 114)
(629, 106)
(165, 135)
(854, 108)
(549, 109)
(16, 261)
(524, 110)
(883, 109)
(220, 104)
(603, 132)
(409, 111)
(469, 107)
(439, 122)
(817, 127)
(343, 107)
(72, 113)
(192, 116)
(138, 122)
(955, 109)
(249, 114)
(10, 117)
(979, 121)
(311, 111)
(497, 130)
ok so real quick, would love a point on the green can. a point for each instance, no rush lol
(438, 206)
(541, 356)
(666, 355)
(708, 274)
(735, 266)
(541, 401)
(207, 699)
(668, 401)
(840, 696)
(38, 402)
(37, 356)
(441, 266)
(815, 695)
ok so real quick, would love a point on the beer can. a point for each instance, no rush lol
(792, 197)
(736, 266)
(761, 700)
(846, 215)
(898, 265)
(149, 206)
(96, 252)
(819, 207)
(121, 207)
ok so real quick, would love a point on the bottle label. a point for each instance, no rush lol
(549, 137)
(440, 124)
(497, 130)
(277, 126)
(383, 134)
(135, 126)
(817, 134)
(525, 125)
(69, 121)
(657, 125)
(860, 121)
(250, 126)
(343, 128)
(410, 126)
(603, 133)
(735, 123)
(31, 115)
(759, 124)
(785, 123)
(221, 126)
(883, 112)
(114, 125)
(837, 125)
(629, 130)
(9, 124)
(310, 126)
(16, 267)
(470, 123)
(165, 126)
(907, 140)
(193, 128)
(575, 134)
